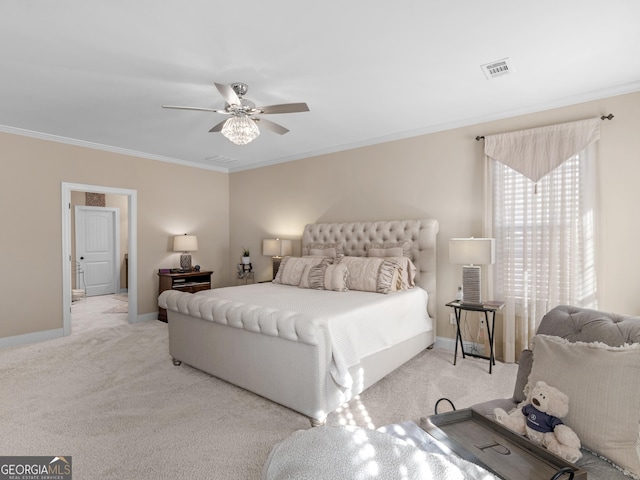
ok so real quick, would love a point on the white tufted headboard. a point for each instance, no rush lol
(355, 236)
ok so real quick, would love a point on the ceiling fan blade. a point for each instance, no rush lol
(269, 125)
(285, 108)
(195, 108)
(219, 126)
(228, 94)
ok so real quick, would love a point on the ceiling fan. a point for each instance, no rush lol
(241, 126)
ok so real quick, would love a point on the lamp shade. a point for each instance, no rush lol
(275, 247)
(185, 243)
(472, 251)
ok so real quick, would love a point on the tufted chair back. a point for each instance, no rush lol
(585, 325)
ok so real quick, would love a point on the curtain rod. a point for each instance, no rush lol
(603, 117)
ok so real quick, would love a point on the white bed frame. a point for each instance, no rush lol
(296, 374)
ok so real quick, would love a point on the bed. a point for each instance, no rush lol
(313, 349)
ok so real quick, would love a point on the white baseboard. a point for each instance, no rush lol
(146, 317)
(31, 337)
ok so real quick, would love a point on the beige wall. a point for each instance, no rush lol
(437, 175)
(440, 176)
(172, 199)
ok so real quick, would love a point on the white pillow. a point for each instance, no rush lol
(603, 385)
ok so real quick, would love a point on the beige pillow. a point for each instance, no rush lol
(325, 276)
(371, 274)
(335, 278)
(603, 385)
(406, 273)
(291, 269)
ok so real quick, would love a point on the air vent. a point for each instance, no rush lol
(220, 160)
(497, 68)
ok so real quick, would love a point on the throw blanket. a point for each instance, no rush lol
(328, 453)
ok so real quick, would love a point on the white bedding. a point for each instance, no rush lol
(358, 323)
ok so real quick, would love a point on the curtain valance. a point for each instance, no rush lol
(537, 151)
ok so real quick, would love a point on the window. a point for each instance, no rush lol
(544, 235)
(540, 210)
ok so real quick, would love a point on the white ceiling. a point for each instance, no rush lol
(95, 72)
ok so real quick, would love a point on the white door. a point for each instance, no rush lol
(97, 250)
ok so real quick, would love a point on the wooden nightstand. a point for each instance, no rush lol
(190, 282)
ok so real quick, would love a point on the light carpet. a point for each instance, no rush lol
(112, 399)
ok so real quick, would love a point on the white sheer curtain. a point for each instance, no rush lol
(540, 208)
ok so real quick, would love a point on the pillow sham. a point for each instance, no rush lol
(405, 246)
(323, 252)
(603, 385)
(325, 276)
(325, 246)
(385, 252)
(291, 269)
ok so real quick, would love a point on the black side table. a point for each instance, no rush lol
(490, 307)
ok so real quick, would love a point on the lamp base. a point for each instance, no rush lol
(185, 261)
(275, 265)
(471, 285)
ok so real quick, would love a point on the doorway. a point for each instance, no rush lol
(97, 249)
(68, 260)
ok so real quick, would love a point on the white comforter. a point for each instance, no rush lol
(358, 324)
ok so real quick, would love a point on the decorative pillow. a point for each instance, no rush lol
(603, 385)
(385, 252)
(325, 246)
(291, 268)
(335, 278)
(371, 274)
(407, 272)
(304, 278)
(325, 276)
(405, 246)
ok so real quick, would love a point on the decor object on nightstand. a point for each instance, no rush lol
(471, 252)
(246, 256)
(185, 243)
(276, 249)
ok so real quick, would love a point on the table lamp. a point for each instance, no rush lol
(185, 243)
(471, 253)
(276, 249)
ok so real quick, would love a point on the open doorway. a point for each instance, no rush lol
(70, 264)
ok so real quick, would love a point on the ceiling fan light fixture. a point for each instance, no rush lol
(240, 130)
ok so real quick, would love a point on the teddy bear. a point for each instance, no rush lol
(538, 418)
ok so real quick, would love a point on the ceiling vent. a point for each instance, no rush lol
(497, 68)
(220, 160)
